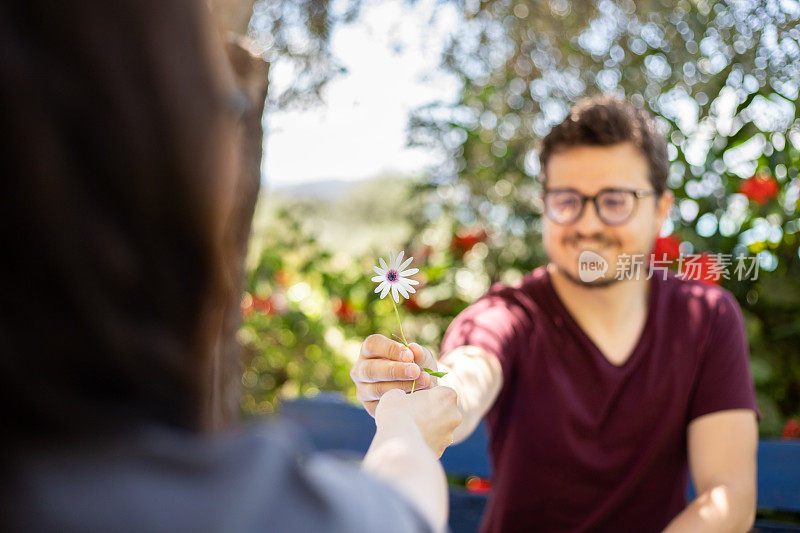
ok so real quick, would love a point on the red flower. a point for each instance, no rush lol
(478, 485)
(666, 248)
(344, 310)
(464, 240)
(703, 267)
(252, 304)
(263, 305)
(792, 429)
(760, 188)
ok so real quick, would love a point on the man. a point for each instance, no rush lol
(598, 393)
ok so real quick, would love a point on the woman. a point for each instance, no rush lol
(117, 224)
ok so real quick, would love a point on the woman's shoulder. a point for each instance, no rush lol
(262, 476)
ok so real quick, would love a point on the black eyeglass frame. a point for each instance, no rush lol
(636, 193)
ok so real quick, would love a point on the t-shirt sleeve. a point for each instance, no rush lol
(724, 379)
(497, 322)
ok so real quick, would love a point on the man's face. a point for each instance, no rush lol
(588, 170)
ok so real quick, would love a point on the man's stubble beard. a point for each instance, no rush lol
(602, 283)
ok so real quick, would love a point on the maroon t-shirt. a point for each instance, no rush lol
(579, 444)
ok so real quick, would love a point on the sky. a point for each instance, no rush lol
(359, 130)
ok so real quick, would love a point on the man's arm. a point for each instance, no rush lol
(722, 449)
(477, 378)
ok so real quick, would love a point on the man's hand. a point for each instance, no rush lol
(385, 365)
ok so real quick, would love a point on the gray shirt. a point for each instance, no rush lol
(159, 479)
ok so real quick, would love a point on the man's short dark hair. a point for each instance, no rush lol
(605, 120)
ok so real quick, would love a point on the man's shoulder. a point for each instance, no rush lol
(526, 292)
(683, 295)
(519, 303)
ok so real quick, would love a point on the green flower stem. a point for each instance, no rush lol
(399, 323)
(396, 312)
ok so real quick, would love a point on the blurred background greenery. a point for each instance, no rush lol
(721, 78)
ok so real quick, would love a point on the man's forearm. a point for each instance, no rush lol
(399, 456)
(477, 378)
(721, 508)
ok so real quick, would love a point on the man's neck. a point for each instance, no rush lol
(613, 307)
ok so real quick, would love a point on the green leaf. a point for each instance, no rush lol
(435, 374)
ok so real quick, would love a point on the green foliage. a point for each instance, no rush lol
(289, 344)
(295, 36)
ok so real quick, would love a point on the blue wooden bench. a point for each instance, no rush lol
(346, 430)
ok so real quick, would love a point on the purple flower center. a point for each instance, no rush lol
(392, 275)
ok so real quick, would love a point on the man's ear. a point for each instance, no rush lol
(663, 206)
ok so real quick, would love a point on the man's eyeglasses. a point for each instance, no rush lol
(613, 206)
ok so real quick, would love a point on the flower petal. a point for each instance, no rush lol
(379, 271)
(377, 279)
(402, 290)
(411, 281)
(407, 286)
(405, 263)
(404, 284)
(383, 264)
(409, 272)
(394, 294)
(398, 259)
(380, 286)
(385, 291)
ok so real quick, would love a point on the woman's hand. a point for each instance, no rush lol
(412, 432)
(433, 411)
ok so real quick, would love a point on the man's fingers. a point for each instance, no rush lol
(378, 346)
(367, 392)
(423, 381)
(373, 370)
(422, 356)
(370, 407)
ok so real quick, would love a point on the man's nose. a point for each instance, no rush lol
(589, 222)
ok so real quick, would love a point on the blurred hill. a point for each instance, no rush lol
(323, 190)
(350, 217)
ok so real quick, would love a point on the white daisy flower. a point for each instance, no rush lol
(393, 278)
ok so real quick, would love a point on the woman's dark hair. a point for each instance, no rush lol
(604, 120)
(112, 199)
